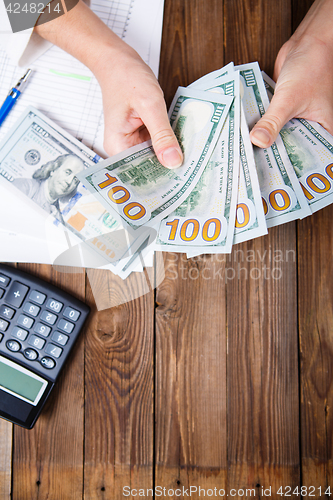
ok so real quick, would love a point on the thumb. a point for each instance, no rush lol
(164, 141)
(279, 112)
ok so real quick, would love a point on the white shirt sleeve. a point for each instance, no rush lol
(24, 47)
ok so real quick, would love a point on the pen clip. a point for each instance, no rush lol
(22, 81)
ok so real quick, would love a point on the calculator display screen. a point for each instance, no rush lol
(20, 382)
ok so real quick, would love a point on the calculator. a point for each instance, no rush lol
(39, 324)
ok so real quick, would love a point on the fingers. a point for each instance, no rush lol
(281, 109)
(165, 144)
(124, 129)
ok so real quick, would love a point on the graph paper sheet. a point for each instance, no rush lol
(65, 90)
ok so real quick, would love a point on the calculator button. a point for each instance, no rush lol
(30, 354)
(12, 345)
(36, 342)
(31, 309)
(42, 329)
(4, 280)
(60, 338)
(19, 333)
(47, 362)
(65, 326)
(72, 314)
(25, 321)
(37, 297)
(1, 292)
(16, 294)
(48, 317)
(6, 311)
(53, 350)
(3, 325)
(54, 305)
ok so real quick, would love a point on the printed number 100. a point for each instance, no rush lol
(120, 195)
(190, 228)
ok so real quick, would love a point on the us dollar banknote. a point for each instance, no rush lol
(282, 195)
(250, 217)
(310, 150)
(135, 188)
(205, 221)
(207, 81)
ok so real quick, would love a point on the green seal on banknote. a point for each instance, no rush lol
(109, 221)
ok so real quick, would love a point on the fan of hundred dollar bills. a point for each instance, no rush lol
(128, 206)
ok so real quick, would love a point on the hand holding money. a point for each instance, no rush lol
(133, 102)
(224, 193)
(303, 71)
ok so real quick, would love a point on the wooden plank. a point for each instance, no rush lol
(255, 30)
(48, 460)
(315, 332)
(190, 409)
(6, 439)
(192, 42)
(191, 433)
(119, 391)
(263, 428)
(316, 344)
(299, 9)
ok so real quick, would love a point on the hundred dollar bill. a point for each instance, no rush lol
(135, 188)
(208, 80)
(282, 195)
(39, 162)
(250, 217)
(310, 150)
(205, 221)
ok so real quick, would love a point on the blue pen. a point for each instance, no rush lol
(13, 95)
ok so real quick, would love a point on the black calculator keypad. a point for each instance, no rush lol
(42, 329)
(13, 345)
(30, 354)
(71, 314)
(25, 321)
(6, 312)
(54, 305)
(4, 280)
(32, 309)
(3, 325)
(60, 338)
(16, 294)
(19, 333)
(54, 350)
(65, 326)
(48, 317)
(48, 363)
(36, 342)
(39, 323)
(37, 297)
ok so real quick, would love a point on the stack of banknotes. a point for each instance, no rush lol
(115, 213)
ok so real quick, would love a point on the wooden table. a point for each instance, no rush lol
(221, 377)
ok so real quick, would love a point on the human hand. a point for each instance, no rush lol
(304, 77)
(134, 108)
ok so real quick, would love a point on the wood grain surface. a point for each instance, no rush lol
(221, 377)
